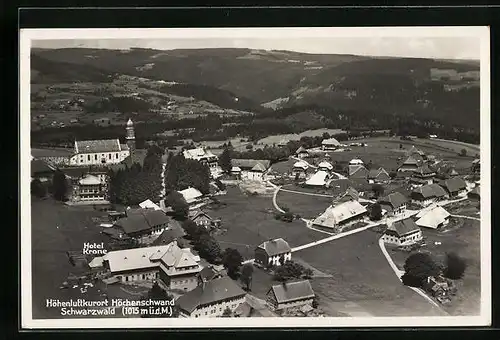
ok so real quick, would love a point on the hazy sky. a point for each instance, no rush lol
(420, 47)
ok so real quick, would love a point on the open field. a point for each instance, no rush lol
(249, 221)
(362, 282)
(304, 205)
(51, 152)
(464, 241)
(465, 208)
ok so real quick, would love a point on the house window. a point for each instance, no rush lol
(116, 155)
(95, 157)
(88, 157)
(109, 156)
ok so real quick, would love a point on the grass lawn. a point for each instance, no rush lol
(249, 220)
(466, 208)
(464, 241)
(362, 282)
(305, 205)
(55, 229)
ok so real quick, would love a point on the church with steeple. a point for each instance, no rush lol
(104, 152)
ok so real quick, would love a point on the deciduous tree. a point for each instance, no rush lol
(38, 189)
(225, 160)
(176, 201)
(246, 275)
(418, 267)
(455, 266)
(375, 212)
(232, 259)
(59, 186)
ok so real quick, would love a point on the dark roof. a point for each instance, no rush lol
(194, 214)
(174, 232)
(430, 190)
(142, 219)
(250, 163)
(410, 161)
(208, 273)
(39, 166)
(360, 173)
(292, 291)
(275, 247)
(209, 293)
(395, 200)
(349, 194)
(453, 184)
(301, 150)
(423, 170)
(475, 191)
(375, 173)
(80, 171)
(90, 146)
(404, 227)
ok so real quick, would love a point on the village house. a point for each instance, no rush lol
(394, 203)
(325, 166)
(360, 173)
(347, 212)
(410, 164)
(354, 165)
(299, 170)
(302, 152)
(169, 265)
(290, 295)
(422, 175)
(433, 218)
(193, 197)
(474, 194)
(236, 172)
(350, 194)
(211, 299)
(454, 187)
(252, 169)
(427, 194)
(89, 188)
(211, 272)
(330, 144)
(205, 157)
(319, 179)
(378, 176)
(142, 224)
(273, 253)
(148, 204)
(402, 233)
(437, 286)
(174, 232)
(201, 218)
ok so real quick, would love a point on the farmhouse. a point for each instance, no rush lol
(148, 204)
(342, 214)
(354, 165)
(454, 186)
(290, 295)
(205, 157)
(404, 232)
(211, 299)
(325, 166)
(350, 194)
(378, 176)
(434, 218)
(330, 144)
(474, 194)
(427, 194)
(394, 203)
(410, 164)
(423, 175)
(209, 273)
(252, 169)
(193, 197)
(299, 169)
(142, 224)
(302, 152)
(273, 253)
(201, 218)
(236, 171)
(319, 179)
(360, 173)
(174, 232)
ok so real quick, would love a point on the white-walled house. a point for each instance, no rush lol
(273, 253)
(99, 152)
(402, 233)
(290, 295)
(211, 299)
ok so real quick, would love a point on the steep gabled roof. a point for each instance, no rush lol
(423, 170)
(430, 191)
(454, 184)
(318, 179)
(301, 150)
(360, 173)
(259, 167)
(249, 163)
(275, 247)
(432, 218)
(395, 200)
(330, 141)
(292, 291)
(334, 215)
(325, 164)
(410, 161)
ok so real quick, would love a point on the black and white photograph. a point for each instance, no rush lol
(255, 177)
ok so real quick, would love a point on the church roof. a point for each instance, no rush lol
(95, 146)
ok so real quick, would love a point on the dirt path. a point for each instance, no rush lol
(468, 217)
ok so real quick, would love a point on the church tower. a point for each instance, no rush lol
(130, 137)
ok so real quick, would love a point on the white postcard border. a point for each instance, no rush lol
(27, 35)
